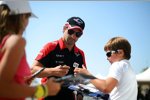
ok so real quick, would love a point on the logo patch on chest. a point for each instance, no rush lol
(75, 65)
(59, 59)
(59, 55)
(77, 54)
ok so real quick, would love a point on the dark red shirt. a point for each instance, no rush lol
(55, 53)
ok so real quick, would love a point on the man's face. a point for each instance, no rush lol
(72, 35)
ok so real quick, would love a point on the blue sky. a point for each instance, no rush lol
(103, 20)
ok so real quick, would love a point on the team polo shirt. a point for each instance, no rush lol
(55, 53)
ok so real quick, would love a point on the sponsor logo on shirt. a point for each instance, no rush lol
(75, 64)
(77, 54)
(59, 61)
(59, 55)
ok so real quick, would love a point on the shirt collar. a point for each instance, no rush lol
(63, 46)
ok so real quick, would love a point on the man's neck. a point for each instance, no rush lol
(70, 47)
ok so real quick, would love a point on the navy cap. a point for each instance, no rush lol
(76, 22)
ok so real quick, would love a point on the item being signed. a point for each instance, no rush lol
(80, 83)
(80, 78)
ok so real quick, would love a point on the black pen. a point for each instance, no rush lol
(37, 72)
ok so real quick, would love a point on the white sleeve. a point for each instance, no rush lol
(116, 70)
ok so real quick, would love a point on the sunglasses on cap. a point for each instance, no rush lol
(78, 34)
(109, 53)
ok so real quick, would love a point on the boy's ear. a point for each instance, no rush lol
(121, 52)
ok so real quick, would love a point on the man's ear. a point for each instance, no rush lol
(64, 28)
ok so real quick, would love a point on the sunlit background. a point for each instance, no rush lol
(103, 20)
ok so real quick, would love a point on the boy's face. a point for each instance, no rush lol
(114, 56)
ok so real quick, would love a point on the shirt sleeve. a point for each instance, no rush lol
(116, 70)
(45, 50)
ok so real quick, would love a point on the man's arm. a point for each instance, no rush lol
(52, 71)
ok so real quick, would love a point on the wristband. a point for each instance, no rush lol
(41, 91)
(46, 90)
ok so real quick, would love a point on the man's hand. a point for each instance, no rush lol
(61, 70)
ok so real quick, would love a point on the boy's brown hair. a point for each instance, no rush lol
(117, 43)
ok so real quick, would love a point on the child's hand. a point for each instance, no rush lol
(82, 70)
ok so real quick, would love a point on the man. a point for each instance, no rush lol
(62, 56)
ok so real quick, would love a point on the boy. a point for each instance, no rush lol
(121, 81)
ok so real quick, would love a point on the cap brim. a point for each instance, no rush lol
(75, 27)
(18, 7)
(33, 15)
